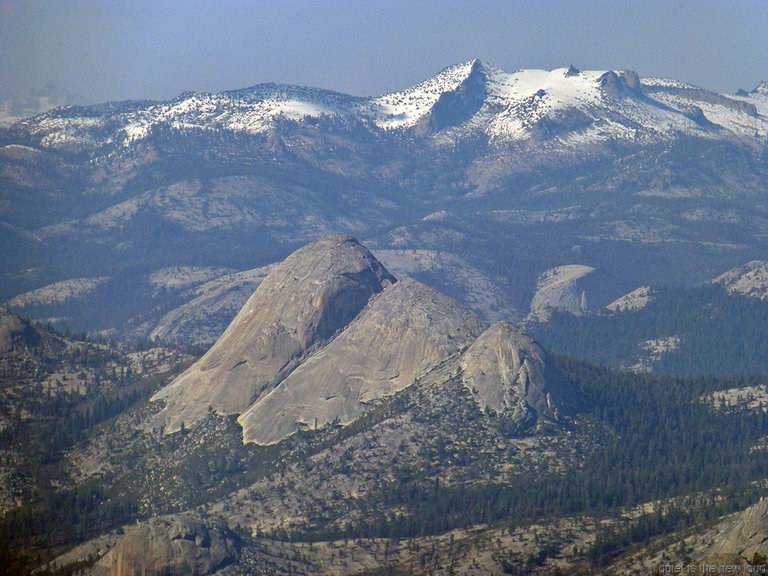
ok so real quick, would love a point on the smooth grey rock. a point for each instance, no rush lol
(745, 534)
(304, 301)
(507, 371)
(406, 330)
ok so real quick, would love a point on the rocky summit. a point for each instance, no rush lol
(507, 371)
(300, 304)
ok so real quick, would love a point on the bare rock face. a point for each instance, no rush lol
(745, 534)
(749, 280)
(407, 329)
(636, 300)
(10, 328)
(303, 302)
(507, 371)
(460, 105)
(170, 545)
(632, 80)
(558, 289)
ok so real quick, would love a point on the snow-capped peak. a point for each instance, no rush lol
(405, 108)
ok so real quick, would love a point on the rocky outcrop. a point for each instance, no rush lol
(696, 114)
(632, 80)
(558, 289)
(508, 372)
(610, 85)
(10, 328)
(750, 280)
(302, 303)
(761, 89)
(170, 546)
(572, 71)
(636, 300)
(406, 330)
(745, 534)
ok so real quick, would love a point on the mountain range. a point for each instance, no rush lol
(583, 107)
(543, 355)
(515, 193)
(347, 422)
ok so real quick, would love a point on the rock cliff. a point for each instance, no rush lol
(304, 301)
(406, 330)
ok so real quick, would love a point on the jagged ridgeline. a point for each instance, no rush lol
(347, 421)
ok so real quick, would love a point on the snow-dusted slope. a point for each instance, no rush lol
(578, 106)
(571, 106)
(404, 109)
(251, 110)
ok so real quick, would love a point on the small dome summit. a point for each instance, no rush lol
(507, 371)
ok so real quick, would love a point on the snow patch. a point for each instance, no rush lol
(577, 108)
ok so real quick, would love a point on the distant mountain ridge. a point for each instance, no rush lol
(479, 181)
(577, 106)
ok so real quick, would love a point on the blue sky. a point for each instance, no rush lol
(119, 49)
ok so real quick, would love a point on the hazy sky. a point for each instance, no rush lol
(120, 49)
